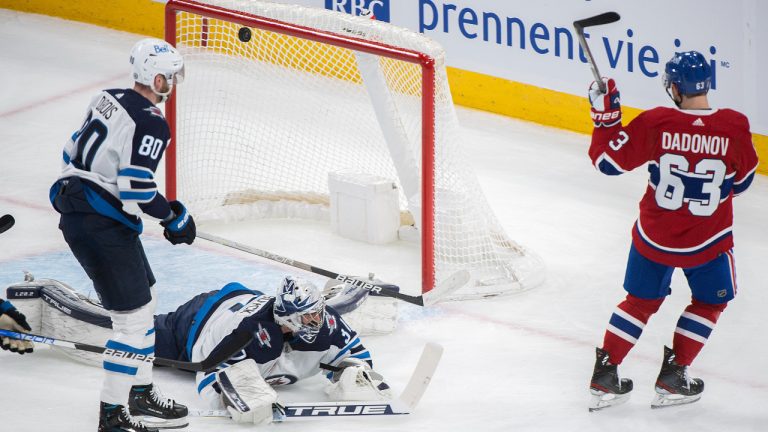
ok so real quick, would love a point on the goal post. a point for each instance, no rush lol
(311, 91)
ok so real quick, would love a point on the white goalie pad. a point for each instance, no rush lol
(357, 382)
(246, 395)
(366, 312)
(54, 309)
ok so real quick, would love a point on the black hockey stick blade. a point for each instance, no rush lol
(603, 18)
(6, 222)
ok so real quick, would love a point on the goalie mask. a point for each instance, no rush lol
(300, 307)
(151, 57)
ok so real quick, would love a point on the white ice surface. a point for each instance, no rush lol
(520, 363)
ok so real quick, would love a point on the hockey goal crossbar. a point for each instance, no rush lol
(426, 63)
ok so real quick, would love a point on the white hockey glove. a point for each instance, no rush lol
(246, 395)
(357, 381)
(366, 313)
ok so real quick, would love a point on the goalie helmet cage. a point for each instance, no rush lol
(278, 96)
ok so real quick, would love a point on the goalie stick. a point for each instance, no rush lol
(448, 286)
(6, 222)
(403, 404)
(579, 25)
(216, 358)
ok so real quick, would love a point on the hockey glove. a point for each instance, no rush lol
(179, 227)
(356, 380)
(13, 320)
(606, 107)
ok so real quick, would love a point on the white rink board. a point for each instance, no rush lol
(737, 32)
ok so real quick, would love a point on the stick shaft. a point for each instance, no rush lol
(417, 300)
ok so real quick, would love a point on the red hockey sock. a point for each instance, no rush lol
(693, 329)
(626, 325)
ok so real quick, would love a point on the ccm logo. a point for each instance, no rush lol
(606, 116)
(318, 411)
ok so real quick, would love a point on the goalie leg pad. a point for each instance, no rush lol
(357, 381)
(246, 395)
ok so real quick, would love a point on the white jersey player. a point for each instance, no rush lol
(107, 182)
(292, 333)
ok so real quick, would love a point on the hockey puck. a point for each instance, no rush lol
(244, 34)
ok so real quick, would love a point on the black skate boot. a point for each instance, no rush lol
(674, 386)
(115, 418)
(155, 410)
(606, 387)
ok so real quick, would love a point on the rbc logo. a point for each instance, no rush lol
(380, 8)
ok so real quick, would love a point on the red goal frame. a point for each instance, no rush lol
(426, 63)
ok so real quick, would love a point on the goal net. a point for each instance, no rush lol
(278, 96)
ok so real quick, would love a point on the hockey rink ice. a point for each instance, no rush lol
(519, 363)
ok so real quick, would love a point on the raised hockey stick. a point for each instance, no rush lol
(456, 281)
(403, 404)
(6, 222)
(579, 25)
(216, 358)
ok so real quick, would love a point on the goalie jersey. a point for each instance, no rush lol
(115, 154)
(205, 324)
(698, 161)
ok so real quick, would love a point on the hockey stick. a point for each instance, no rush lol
(456, 281)
(210, 363)
(6, 222)
(403, 404)
(579, 25)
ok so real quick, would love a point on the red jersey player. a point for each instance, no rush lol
(698, 158)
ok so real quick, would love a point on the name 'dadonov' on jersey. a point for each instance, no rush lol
(695, 143)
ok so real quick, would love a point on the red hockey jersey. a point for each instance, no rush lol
(698, 161)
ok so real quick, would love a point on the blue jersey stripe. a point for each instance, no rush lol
(136, 173)
(138, 196)
(206, 381)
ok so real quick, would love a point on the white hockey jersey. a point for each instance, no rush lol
(203, 325)
(116, 152)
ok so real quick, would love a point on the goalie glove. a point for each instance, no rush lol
(246, 395)
(13, 320)
(357, 381)
(606, 107)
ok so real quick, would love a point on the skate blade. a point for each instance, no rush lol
(669, 400)
(161, 423)
(601, 400)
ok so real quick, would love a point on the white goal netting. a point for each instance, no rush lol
(261, 123)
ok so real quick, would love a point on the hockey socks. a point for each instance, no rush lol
(626, 325)
(693, 329)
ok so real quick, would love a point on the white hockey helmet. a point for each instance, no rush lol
(151, 57)
(300, 307)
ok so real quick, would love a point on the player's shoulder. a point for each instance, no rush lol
(733, 117)
(139, 108)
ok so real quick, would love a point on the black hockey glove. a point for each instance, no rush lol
(13, 320)
(181, 227)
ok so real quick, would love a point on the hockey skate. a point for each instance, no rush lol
(606, 387)
(115, 418)
(674, 386)
(155, 410)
